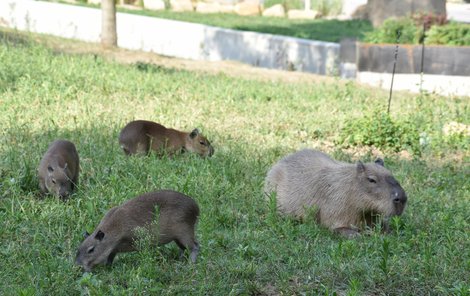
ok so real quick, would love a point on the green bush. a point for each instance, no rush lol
(381, 131)
(452, 34)
(388, 32)
(410, 30)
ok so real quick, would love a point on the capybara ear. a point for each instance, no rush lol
(380, 161)
(86, 234)
(99, 235)
(194, 133)
(50, 169)
(360, 167)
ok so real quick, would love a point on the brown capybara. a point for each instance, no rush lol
(139, 136)
(347, 197)
(58, 169)
(167, 215)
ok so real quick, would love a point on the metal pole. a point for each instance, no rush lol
(422, 58)
(393, 72)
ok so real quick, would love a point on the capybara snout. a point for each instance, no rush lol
(399, 198)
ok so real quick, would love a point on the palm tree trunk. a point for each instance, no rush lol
(108, 23)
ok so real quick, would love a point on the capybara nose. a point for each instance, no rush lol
(211, 151)
(63, 194)
(399, 197)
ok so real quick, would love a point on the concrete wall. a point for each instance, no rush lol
(174, 38)
(445, 68)
(438, 60)
(440, 84)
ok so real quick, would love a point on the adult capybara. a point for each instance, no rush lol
(139, 136)
(167, 216)
(59, 168)
(346, 196)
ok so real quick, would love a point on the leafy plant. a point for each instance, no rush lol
(381, 131)
(410, 30)
(391, 29)
(454, 34)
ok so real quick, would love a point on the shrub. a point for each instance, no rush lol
(439, 32)
(390, 29)
(381, 131)
(452, 34)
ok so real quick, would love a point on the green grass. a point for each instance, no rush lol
(246, 247)
(323, 30)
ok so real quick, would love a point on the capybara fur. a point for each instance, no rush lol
(139, 136)
(58, 169)
(346, 196)
(166, 215)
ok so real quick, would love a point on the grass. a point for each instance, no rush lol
(246, 247)
(319, 29)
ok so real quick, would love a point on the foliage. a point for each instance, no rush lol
(428, 20)
(402, 31)
(325, 7)
(381, 131)
(247, 248)
(288, 4)
(454, 34)
(438, 31)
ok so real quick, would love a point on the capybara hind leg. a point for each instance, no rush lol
(189, 244)
(347, 232)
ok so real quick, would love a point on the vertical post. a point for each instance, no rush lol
(108, 24)
(422, 58)
(393, 72)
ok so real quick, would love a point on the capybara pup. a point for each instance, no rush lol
(139, 136)
(174, 220)
(58, 169)
(346, 196)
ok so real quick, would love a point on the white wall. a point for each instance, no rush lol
(174, 38)
(442, 84)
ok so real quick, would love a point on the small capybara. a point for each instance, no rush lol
(139, 136)
(347, 197)
(177, 217)
(58, 169)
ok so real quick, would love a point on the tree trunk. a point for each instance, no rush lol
(108, 24)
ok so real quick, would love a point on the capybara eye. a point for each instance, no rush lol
(53, 181)
(90, 250)
(202, 143)
(372, 180)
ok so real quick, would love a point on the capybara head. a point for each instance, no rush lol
(94, 250)
(199, 144)
(58, 181)
(381, 190)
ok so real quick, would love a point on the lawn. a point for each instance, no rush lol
(319, 29)
(246, 247)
